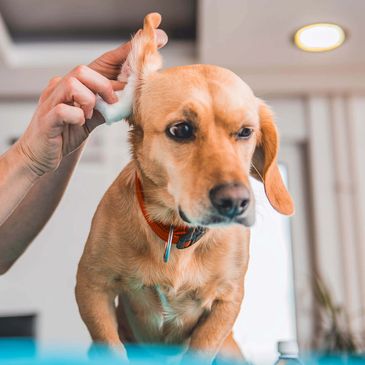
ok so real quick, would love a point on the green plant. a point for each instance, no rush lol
(333, 334)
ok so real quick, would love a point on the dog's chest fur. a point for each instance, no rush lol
(167, 303)
(159, 314)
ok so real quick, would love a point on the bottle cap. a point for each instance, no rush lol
(288, 348)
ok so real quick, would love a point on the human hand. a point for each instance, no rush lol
(65, 117)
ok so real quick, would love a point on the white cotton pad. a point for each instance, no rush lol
(122, 109)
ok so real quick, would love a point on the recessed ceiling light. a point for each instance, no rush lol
(319, 37)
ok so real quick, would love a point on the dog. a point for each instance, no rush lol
(170, 238)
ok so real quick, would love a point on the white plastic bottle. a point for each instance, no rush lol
(288, 353)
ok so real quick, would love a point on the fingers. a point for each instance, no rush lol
(118, 85)
(110, 62)
(161, 38)
(63, 114)
(79, 88)
(72, 91)
(99, 84)
(118, 55)
(49, 89)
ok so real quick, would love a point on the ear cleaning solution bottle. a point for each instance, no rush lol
(288, 353)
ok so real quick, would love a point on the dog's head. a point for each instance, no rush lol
(198, 134)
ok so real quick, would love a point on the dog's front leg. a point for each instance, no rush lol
(97, 309)
(209, 335)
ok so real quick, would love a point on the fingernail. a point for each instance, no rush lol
(115, 97)
(89, 114)
(161, 37)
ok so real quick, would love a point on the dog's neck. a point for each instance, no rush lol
(158, 202)
(180, 235)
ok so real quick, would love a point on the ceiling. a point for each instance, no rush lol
(252, 37)
(258, 34)
(74, 20)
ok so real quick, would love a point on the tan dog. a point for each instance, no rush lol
(197, 134)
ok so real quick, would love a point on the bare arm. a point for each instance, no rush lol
(33, 211)
(16, 179)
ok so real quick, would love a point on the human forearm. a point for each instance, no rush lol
(34, 210)
(16, 179)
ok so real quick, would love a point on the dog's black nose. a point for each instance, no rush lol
(231, 199)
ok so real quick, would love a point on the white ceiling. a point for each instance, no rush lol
(252, 37)
(257, 34)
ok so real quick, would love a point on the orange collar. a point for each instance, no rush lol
(182, 236)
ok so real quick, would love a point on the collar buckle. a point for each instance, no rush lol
(191, 237)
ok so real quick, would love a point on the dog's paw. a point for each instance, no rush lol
(196, 357)
(105, 352)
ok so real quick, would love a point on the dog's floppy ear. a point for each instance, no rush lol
(264, 163)
(143, 59)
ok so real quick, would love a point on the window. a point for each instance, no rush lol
(267, 313)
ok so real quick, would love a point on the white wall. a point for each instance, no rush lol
(337, 135)
(268, 311)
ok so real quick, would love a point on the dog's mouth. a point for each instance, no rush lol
(214, 220)
(183, 216)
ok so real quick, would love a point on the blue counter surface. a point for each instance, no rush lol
(25, 352)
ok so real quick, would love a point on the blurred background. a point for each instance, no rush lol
(306, 280)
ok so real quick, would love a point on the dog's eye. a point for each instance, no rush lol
(244, 133)
(181, 131)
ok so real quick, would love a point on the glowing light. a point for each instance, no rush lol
(319, 37)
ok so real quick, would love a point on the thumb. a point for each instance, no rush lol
(161, 38)
(119, 54)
